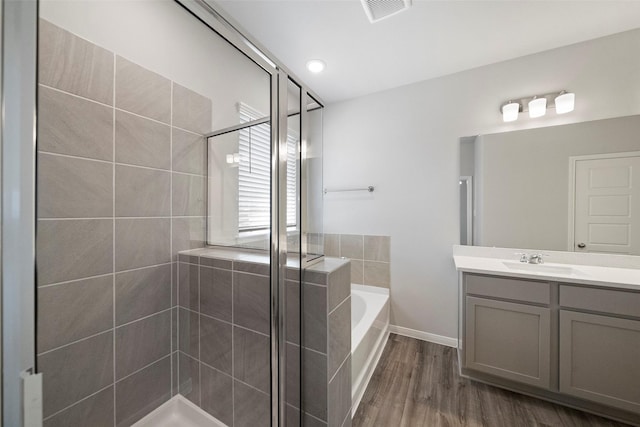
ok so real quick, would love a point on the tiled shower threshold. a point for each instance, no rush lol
(178, 412)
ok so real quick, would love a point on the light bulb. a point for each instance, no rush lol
(565, 102)
(537, 107)
(230, 158)
(510, 111)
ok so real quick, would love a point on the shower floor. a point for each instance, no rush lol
(178, 412)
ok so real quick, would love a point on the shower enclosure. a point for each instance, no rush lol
(179, 205)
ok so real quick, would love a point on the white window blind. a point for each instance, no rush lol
(292, 181)
(254, 174)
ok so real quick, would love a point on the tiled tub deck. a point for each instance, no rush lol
(223, 337)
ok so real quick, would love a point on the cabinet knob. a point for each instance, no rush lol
(582, 245)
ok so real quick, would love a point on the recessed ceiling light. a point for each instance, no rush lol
(316, 65)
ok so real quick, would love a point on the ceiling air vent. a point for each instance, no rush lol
(380, 9)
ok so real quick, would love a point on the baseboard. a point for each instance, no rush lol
(424, 336)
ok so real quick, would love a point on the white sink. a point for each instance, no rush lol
(556, 269)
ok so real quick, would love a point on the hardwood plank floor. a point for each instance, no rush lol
(416, 384)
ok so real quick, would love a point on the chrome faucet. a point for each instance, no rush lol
(531, 258)
(536, 258)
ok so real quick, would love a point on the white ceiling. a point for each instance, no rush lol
(431, 39)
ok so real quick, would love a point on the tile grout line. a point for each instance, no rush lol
(171, 238)
(129, 375)
(338, 306)
(72, 156)
(199, 346)
(130, 165)
(104, 275)
(103, 218)
(218, 370)
(178, 326)
(348, 414)
(174, 263)
(233, 365)
(224, 321)
(327, 345)
(84, 98)
(74, 280)
(362, 278)
(113, 260)
(246, 272)
(223, 373)
(148, 316)
(197, 175)
(48, 417)
(127, 165)
(111, 329)
(313, 416)
(339, 367)
(317, 285)
(77, 341)
(170, 124)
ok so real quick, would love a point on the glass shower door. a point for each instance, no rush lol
(201, 161)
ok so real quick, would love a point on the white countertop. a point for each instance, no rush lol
(490, 262)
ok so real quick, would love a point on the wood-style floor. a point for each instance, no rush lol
(416, 384)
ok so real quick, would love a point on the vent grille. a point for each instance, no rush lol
(380, 9)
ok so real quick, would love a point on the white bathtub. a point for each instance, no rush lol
(369, 333)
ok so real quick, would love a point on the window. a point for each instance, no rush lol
(254, 174)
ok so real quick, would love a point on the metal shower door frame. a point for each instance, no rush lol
(20, 401)
(226, 27)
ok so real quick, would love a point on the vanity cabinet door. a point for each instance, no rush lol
(508, 340)
(600, 359)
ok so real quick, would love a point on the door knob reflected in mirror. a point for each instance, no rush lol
(582, 245)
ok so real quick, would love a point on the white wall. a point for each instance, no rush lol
(405, 141)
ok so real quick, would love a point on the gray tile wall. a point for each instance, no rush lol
(121, 189)
(325, 299)
(224, 331)
(326, 344)
(370, 257)
(224, 344)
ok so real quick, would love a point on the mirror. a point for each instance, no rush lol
(573, 187)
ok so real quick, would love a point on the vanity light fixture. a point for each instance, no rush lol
(565, 102)
(537, 105)
(316, 66)
(510, 111)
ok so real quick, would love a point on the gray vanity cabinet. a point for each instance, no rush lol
(572, 343)
(509, 340)
(600, 353)
(507, 332)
